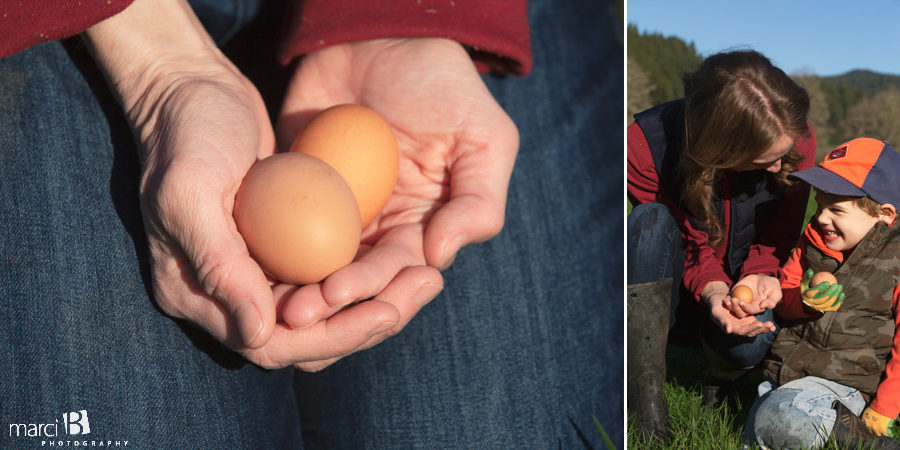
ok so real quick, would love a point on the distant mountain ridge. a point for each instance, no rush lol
(853, 104)
(866, 81)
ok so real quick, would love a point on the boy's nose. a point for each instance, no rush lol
(775, 167)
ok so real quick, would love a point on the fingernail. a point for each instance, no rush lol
(448, 253)
(249, 322)
(383, 327)
(426, 293)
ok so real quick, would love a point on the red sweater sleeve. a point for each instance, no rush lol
(778, 239)
(887, 396)
(496, 30)
(24, 23)
(702, 263)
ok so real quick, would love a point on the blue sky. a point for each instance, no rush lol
(826, 37)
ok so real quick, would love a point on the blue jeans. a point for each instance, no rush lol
(523, 348)
(655, 252)
(798, 414)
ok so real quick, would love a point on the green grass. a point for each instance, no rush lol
(606, 440)
(692, 424)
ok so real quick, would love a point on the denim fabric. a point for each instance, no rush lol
(78, 329)
(655, 252)
(744, 351)
(522, 349)
(798, 414)
(524, 345)
(222, 19)
(654, 246)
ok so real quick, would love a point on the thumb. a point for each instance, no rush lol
(479, 182)
(807, 277)
(242, 310)
(238, 284)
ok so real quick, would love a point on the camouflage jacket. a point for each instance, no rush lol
(851, 345)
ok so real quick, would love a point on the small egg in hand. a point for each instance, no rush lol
(819, 277)
(298, 218)
(361, 146)
(742, 293)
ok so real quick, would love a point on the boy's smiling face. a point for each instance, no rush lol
(842, 223)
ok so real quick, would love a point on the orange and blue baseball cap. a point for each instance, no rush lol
(861, 167)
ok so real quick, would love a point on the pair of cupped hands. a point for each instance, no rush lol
(736, 316)
(201, 124)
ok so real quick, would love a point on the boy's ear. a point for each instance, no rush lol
(888, 213)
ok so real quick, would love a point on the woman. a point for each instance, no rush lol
(707, 175)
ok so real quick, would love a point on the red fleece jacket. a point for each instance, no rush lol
(496, 31)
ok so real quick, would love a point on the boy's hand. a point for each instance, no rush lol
(876, 423)
(822, 297)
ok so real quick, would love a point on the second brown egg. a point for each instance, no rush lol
(361, 146)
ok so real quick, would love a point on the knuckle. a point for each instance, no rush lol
(167, 304)
(512, 130)
(494, 223)
(169, 299)
(263, 359)
(214, 277)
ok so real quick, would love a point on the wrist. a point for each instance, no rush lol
(711, 289)
(146, 42)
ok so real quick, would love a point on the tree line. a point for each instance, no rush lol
(856, 104)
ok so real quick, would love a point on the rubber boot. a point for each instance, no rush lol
(721, 378)
(850, 432)
(648, 325)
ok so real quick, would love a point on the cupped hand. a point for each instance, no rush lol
(457, 149)
(766, 294)
(721, 304)
(766, 290)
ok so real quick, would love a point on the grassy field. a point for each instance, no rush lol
(693, 425)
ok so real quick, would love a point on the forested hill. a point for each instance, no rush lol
(866, 81)
(857, 103)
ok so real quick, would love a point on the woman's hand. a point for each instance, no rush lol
(457, 149)
(201, 125)
(766, 294)
(716, 295)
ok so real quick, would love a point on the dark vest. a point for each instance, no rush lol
(851, 345)
(755, 196)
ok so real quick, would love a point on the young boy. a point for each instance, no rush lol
(836, 341)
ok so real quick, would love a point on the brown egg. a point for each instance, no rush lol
(361, 146)
(742, 293)
(822, 276)
(298, 217)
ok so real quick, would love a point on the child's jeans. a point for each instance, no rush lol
(798, 414)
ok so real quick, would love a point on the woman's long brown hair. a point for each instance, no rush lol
(737, 106)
